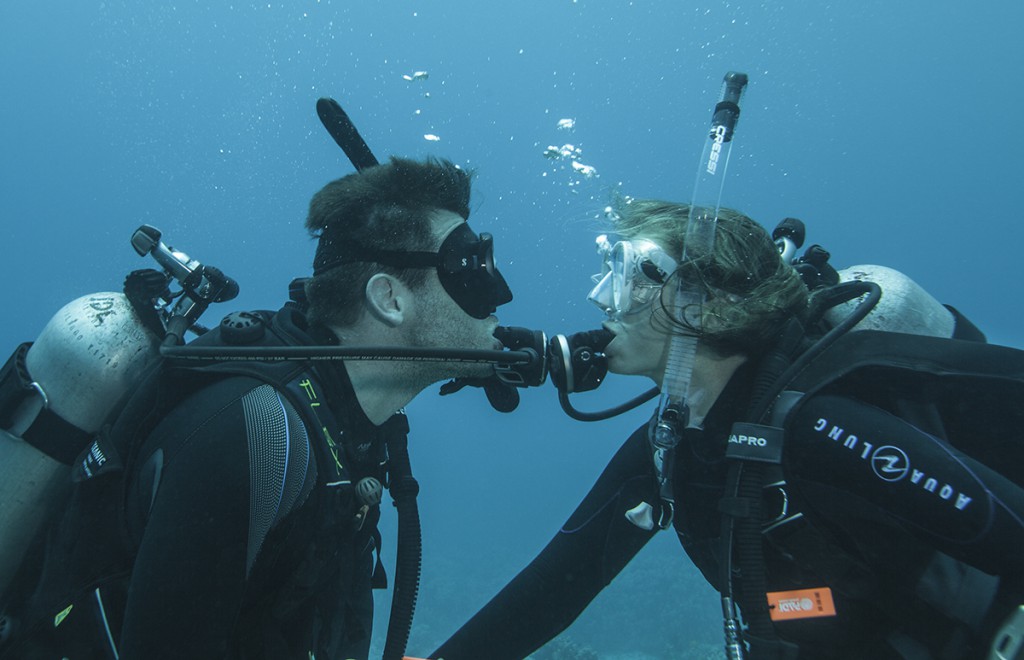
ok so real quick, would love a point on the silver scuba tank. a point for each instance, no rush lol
(87, 358)
(904, 307)
(90, 355)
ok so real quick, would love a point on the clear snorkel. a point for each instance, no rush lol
(673, 414)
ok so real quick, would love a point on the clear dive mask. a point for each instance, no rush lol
(631, 277)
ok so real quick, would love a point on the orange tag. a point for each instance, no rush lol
(801, 604)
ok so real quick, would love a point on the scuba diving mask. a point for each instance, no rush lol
(631, 276)
(464, 263)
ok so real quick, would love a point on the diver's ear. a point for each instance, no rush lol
(387, 299)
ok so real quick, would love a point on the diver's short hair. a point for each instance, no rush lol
(385, 207)
(751, 293)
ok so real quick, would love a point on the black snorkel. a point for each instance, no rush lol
(344, 132)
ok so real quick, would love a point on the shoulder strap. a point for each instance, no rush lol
(894, 351)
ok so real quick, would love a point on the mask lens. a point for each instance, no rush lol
(615, 283)
(468, 273)
(601, 294)
(631, 277)
(622, 276)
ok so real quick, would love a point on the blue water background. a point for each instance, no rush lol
(891, 128)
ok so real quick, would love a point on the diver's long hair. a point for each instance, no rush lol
(750, 293)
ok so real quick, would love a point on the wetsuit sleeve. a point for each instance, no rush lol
(866, 459)
(222, 468)
(591, 548)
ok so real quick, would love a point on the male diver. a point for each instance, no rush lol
(241, 522)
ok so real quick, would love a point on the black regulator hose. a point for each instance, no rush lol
(174, 336)
(601, 415)
(837, 295)
(408, 561)
(328, 353)
(577, 364)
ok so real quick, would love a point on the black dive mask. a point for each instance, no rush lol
(465, 267)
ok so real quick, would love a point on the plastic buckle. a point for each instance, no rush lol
(42, 394)
(666, 514)
(19, 408)
(782, 501)
(1009, 640)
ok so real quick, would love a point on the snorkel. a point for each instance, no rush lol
(577, 362)
(673, 414)
(698, 249)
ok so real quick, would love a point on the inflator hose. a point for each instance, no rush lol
(742, 530)
(403, 489)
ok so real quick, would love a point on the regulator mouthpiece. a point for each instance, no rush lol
(532, 342)
(577, 361)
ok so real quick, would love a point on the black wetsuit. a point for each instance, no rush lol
(893, 593)
(241, 534)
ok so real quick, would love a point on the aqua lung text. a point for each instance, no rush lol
(891, 464)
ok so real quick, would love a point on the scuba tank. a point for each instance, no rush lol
(57, 392)
(86, 359)
(906, 307)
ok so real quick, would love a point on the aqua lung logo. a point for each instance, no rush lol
(716, 148)
(892, 464)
